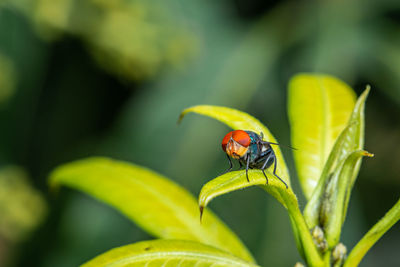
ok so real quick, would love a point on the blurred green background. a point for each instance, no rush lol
(100, 77)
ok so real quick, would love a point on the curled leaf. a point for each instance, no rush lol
(332, 213)
(237, 180)
(155, 203)
(319, 109)
(166, 253)
(243, 121)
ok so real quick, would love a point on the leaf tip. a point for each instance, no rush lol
(367, 154)
(54, 187)
(180, 118)
(366, 92)
(201, 212)
(53, 184)
(367, 88)
(183, 114)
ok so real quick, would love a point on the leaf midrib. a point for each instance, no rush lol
(325, 123)
(179, 255)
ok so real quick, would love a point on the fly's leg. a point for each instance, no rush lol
(230, 165)
(265, 164)
(266, 178)
(247, 167)
(240, 164)
(274, 172)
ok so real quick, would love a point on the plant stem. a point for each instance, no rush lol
(311, 253)
(373, 235)
(327, 258)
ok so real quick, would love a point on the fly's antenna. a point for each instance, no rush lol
(271, 143)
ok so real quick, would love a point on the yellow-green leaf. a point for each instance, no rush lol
(319, 109)
(166, 253)
(237, 180)
(155, 203)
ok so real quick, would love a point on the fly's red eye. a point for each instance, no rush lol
(241, 137)
(226, 140)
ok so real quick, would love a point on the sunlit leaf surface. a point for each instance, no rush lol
(155, 203)
(237, 180)
(166, 253)
(319, 109)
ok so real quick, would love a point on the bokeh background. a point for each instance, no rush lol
(99, 77)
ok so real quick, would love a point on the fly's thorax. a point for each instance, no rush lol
(254, 151)
(254, 137)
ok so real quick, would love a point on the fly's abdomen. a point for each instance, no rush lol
(259, 162)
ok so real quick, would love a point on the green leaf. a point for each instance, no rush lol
(237, 180)
(166, 253)
(319, 109)
(373, 235)
(155, 203)
(339, 174)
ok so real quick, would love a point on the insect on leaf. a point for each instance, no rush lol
(155, 203)
(237, 180)
(168, 253)
(319, 109)
(243, 121)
